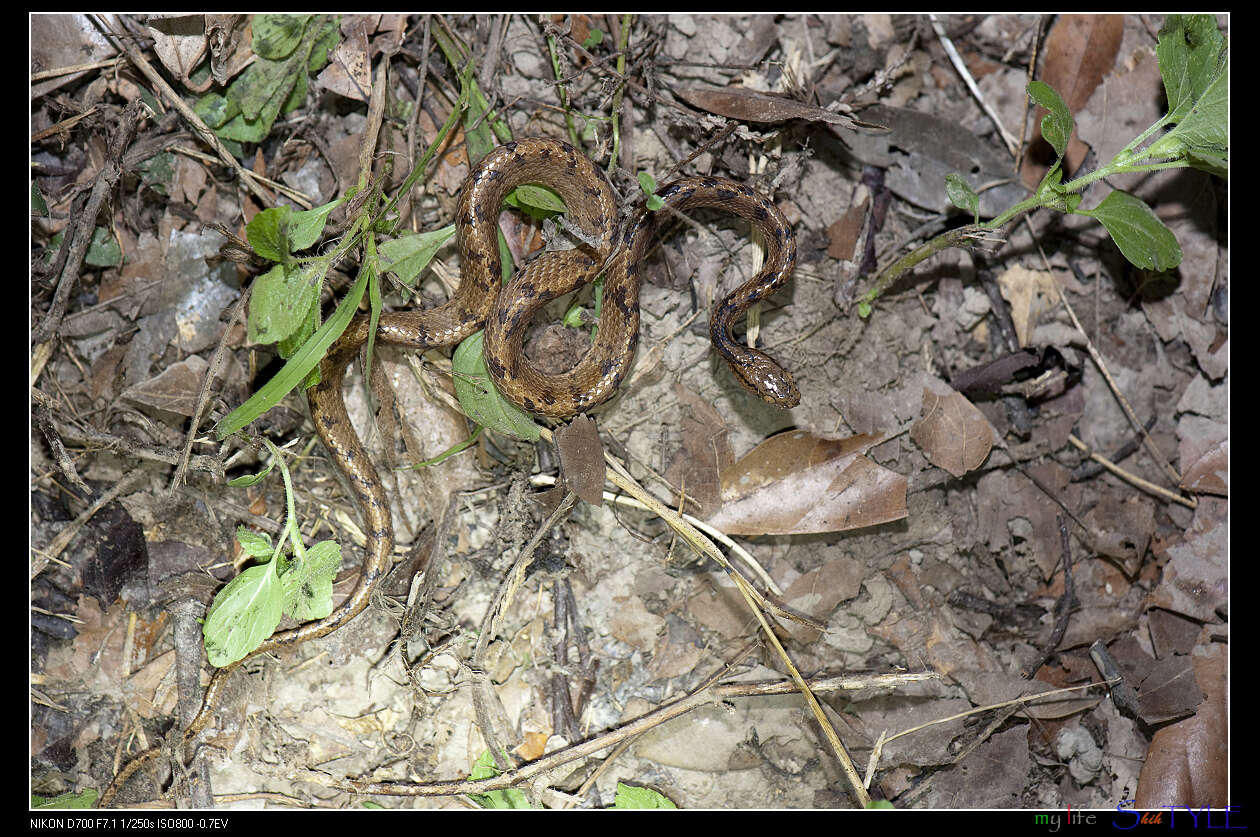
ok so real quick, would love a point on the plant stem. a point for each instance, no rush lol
(621, 89)
(950, 238)
(561, 92)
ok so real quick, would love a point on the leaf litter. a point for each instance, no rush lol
(942, 516)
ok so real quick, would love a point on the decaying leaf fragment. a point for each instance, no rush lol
(582, 458)
(797, 483)
(953, 434)
(751, 106)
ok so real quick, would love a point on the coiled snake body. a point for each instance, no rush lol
(505, 312)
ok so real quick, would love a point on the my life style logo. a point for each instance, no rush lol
(1128, 818)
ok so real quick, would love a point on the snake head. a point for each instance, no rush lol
(763, 375)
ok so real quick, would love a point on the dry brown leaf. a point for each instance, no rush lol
(751, 106)
(175, 390)
(582, 458)
(1196, 577)
(1030, 293)
(697, 466)
(231, 45)
(797, 483)
(952, 432)
(1188, 762)
(1209, 473)
(349, 71)
(843, 235)
(180, 44)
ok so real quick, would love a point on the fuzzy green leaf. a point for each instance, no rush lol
(1140, 235)
(308, 585)
(282, 300)
(306, 227)
(1189, 52)
(244, 613)
(477, 395)
(962, 195)
(303, 362)
(1056, 126)
(407, 255)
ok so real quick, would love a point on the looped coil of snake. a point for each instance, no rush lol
(504, 311)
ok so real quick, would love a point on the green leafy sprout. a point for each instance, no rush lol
(1194, 64)
(292, 578)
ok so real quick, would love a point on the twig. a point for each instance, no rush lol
(78, 243)
(822, 683)
(1149, 487)
(961, 67)
(203, 398)
(1124, 402)
(1062, 608)
(883, 740)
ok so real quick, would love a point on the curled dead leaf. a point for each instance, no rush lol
(797, 483)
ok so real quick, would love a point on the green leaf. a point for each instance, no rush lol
(648, 184)
(595, 38)
(302, 363)
(85, 798)
(477, 395)
(407, 255)
(1189, 53)
(286, 346)
(1056, 126)
(306, 227)
(506, 799)
(282, 300)
(962, 195)
(308, 585)
(252, 479)
(630, 797)
(271, 86)
(324, 44)
(158, 172)
(276, 36)
(1140, 235)
(255, 544)
(215, 109)
(104, 250)
(39, 206)
(1204, 128)
(244, 613)
(476, 127)
(536, 201)
(1217, 164)
(268, 233)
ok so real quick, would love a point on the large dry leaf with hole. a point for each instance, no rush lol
(952, 432)
(797, 483)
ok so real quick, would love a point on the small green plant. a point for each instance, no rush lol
(506, 799)
(293, 579)
(289, 48)
(1194, 64)
(85, 798)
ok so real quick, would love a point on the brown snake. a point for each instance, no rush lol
(504, 313)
